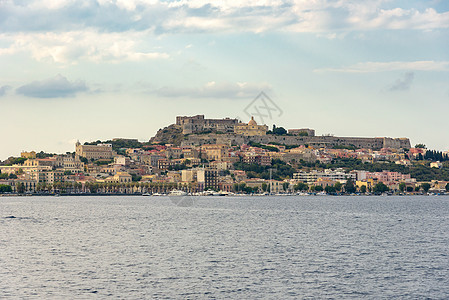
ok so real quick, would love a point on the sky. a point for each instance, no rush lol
(100, 69)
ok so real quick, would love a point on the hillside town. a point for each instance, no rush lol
(196, 155)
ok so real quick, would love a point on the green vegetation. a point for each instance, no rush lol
(425, 186)
(350, 147)
(178, 167)
(281, 170)
(318, 188)
(350, 187)
(4, 188)
(120, 144)
(402, 186)
(42, 154)
(20, 188)
(435, 156)
(15, 161)
(239, 188)
(135, 177)
(422, 146)
(103, 162)
(277, 131)
(330, 189)
(8, 176)
(301, 186)
(266, 147)
(380, 188)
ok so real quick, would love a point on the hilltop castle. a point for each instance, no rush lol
(197, 130)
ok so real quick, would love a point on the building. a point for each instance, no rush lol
(206, 178)
(25, 154)
(120, 177)
(198, 123)
(122, 160)
(260, 159)
(100, 151)
(302, 132)
(214, 152)
(70, 163)
(334, 175)
(250, 129)
(47, 176)
(436, 164)
(41, 162)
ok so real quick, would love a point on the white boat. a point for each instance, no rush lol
(177, 193)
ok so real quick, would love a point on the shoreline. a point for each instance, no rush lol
(234, 195)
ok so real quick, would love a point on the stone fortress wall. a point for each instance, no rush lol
(223, 133)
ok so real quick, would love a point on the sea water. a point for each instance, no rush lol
(136, 247)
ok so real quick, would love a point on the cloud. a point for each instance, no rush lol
(113, 31)
(56, 87)
(370, 67)
(72, 47)
(4, 89)
(403, 84)
(216, 90)
(161, 16)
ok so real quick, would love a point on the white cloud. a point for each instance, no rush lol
(402, 84)
(4, 89)
(226, 15)
(56, 87)
(71, 47)
(369, 67)
(216, 90)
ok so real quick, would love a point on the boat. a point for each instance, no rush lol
(177, 193)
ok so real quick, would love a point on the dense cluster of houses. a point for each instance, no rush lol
(161, 168)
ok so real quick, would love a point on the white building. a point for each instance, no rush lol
(334, 175)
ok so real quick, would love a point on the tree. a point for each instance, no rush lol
(330, 189)
(425, 186)
(447, 187)
(402, 186)
(338, 186)
(4, 188)
(135, 177)
(264, 187)
(318, 188)
(380, 188)
(20, 188)
(279, 130)
(301, 186)
(285, 186)
(409, 189)
(422, 146)
(363, 189)
(350, 186)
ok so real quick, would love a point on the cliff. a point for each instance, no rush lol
(171, 134)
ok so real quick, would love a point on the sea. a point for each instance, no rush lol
(269, 247)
